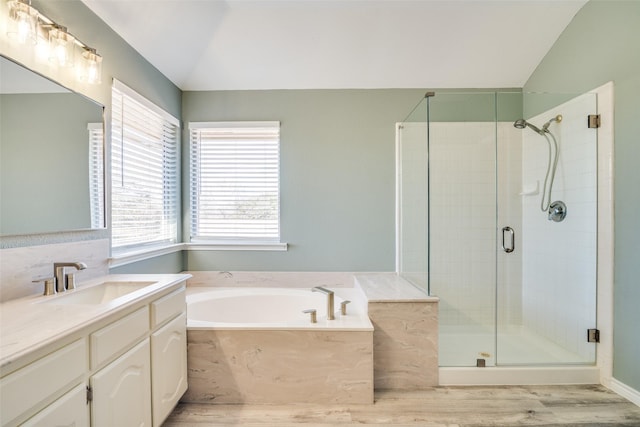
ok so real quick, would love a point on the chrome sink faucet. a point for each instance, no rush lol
(65, 281)
(329, 294)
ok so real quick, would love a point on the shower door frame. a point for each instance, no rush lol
(497, 228)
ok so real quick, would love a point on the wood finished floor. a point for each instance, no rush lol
(576, 406)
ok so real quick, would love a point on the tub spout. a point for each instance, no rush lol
(329, 294)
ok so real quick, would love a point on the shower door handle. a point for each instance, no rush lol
(512, 246)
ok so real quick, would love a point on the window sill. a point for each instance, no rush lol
(118, 260)
(236, 246)
(124, 258)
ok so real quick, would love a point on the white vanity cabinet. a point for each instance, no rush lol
(122, 390)
(168, 353)
(122, 370)
(45, 382)
(143, 385)
(69, 410)
(169, 361)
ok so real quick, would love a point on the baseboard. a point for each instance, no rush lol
(625, 391)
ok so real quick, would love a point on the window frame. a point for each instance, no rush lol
(97, 176)
(170, 219)
(212, 242)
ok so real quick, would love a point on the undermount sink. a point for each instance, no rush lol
(98, 294)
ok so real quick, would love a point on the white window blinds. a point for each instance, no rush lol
(144, 172)
(96, 174)
(235, 185)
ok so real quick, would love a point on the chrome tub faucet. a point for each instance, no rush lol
(329, 294)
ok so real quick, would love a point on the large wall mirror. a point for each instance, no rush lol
(51, 156)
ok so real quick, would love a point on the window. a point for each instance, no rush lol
(96, 174)
(144, 172)
(235, 184)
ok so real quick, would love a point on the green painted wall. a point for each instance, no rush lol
(337, 175)
(602, 44)
(121, 61)
(164, 264)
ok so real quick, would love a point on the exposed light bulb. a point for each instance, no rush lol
(23, 23)
(62, 47)
(93, 67)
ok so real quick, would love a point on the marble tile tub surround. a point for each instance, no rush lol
(20, 266)
(376, 287)
(405, 336)
(405, 319)
(267, 367)
(274, 279)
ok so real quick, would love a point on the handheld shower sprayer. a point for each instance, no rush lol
(522, 123)
(552, 161)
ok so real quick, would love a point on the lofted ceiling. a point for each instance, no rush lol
(337, 44)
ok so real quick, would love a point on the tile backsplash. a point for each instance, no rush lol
(19, 267)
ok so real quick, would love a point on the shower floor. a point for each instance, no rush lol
(518, 345)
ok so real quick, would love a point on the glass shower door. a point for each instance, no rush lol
(547, 219)
(514, 265)
(462, 221)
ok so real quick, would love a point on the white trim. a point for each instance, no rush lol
(143, 254)
(398, 195)
(239, 246)
(218, 125)
(144, 101)
(605, 236)
(625, 391)
(148, 253)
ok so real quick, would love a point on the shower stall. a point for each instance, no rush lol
(497, 216)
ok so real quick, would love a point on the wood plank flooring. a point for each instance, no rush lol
(575, 406)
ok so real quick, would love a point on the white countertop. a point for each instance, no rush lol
(390, 287)
(32, 323)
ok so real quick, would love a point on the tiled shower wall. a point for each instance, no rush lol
(463, 221)
(548, 283)
(559, 262)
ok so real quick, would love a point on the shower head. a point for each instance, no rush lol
(522, 123)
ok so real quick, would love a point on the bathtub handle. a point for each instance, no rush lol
(312, 312)
(343, 307)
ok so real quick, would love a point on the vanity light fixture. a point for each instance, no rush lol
(92, 67)
(52, 41)
(23, 22)
(61, 46)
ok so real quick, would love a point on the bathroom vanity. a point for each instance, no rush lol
(112, 352)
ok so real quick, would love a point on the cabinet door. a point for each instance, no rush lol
(71, 410)
(43, 380)
(122, 390)
(169, 361)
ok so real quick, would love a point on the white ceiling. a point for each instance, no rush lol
(309, 44)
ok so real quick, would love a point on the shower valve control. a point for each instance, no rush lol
(557, 211)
